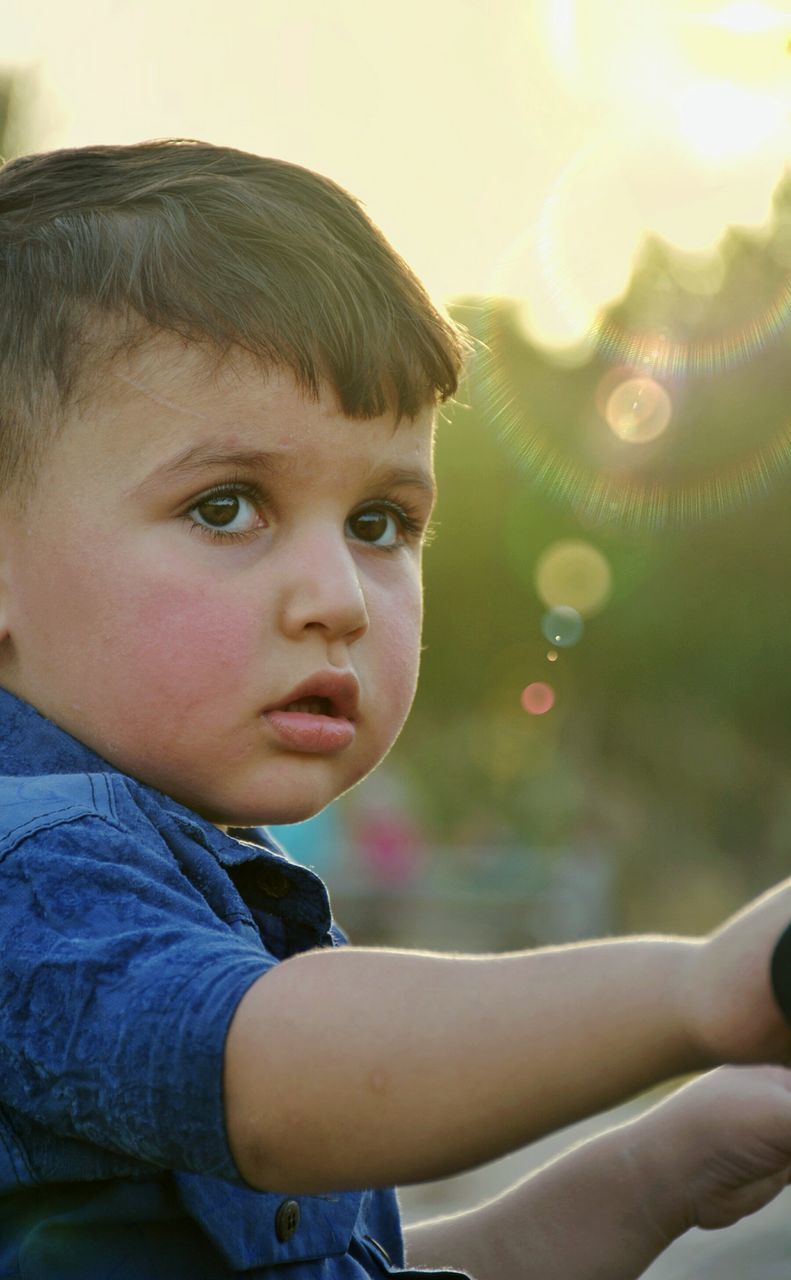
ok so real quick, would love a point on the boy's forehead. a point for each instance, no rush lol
(190, 382)
(171, 398)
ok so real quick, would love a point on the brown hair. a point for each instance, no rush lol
(218, 246)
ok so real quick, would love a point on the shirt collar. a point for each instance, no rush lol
(31, 745)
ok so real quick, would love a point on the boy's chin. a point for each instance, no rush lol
(279, 805)
(264, 816)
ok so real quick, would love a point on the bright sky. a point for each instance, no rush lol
(517, 146)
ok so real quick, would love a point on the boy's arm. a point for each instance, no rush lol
(714, 1152)
(355, 1068)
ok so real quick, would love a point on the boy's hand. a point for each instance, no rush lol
(733, 1012)
(717, 1150)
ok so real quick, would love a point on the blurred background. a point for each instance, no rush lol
(600, 192)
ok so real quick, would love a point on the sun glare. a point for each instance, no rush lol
(719, 121)
(689, 134)
(745, 18)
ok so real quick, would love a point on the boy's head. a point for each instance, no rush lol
(100, 245)
(217, 388)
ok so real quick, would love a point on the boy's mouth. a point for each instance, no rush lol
(312, 706)
(327, 693)
(317, 717)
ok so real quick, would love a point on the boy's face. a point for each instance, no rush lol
(197, 549)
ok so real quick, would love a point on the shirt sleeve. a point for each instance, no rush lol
(117, 986)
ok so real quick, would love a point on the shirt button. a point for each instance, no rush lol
(286, 1220)
(273, 882)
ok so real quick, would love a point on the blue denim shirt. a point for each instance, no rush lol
(130, 928)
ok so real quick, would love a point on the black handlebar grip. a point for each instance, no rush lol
(781, 972)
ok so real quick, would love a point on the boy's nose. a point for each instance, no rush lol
(323, 591)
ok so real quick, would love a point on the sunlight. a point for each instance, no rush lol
(745, 18)
(689, 136)
(719, 121)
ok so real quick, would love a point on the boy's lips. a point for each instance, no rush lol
(323, 727)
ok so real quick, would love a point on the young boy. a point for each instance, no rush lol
(218, 388)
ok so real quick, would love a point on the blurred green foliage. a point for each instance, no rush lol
(9, 120)
(18, 94)
(670, 740)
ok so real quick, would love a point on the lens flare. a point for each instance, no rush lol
(574, 574)
(538, 698)
(562, 626)
(638, 410)
(703, 357)
(631, 501)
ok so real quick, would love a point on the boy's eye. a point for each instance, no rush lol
(228, 512)
(379, 526)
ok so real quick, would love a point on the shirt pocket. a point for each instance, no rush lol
(259, 1229)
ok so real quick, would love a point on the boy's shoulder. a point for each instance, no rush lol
(51, 798)
(38, 803)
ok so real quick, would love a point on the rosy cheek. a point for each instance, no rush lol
(202, 637)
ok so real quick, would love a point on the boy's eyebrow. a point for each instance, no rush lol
(199, 457)
(413, 477)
